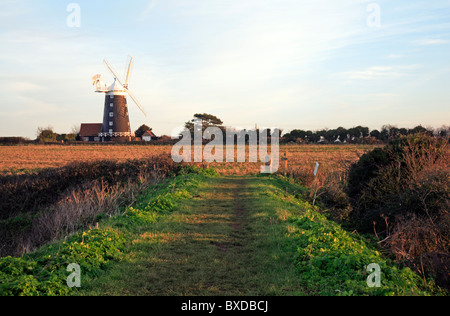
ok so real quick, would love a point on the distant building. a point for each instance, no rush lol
(149, 136)
(90, 132)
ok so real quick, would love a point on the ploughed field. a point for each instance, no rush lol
(28, 159)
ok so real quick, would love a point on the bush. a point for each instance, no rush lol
(38, 208)
(401, 193)
(408, 176)
(366, 169)
(11, 141)
(31, 192)
(44, 273)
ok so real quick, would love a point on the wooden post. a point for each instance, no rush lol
(285, 159)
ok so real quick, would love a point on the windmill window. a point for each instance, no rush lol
(111, 105)
(111, 114)
(111, 123)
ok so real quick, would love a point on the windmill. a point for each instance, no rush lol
(116, 121)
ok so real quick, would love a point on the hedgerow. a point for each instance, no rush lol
(333, 261)
(401, 194)
(44, 273)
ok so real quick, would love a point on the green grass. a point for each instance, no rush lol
(213, 244)
(333, 261)
(14, 171)
(201, 234)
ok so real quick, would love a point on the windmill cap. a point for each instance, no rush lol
(116, 86)
(116, 89)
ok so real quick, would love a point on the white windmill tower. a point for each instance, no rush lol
(116, 121)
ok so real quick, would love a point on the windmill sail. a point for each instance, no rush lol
(108, 65)
(128, 72)
(137, 103)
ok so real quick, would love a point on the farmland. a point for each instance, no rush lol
(26, 159)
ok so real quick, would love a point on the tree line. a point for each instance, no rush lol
(360, 134)
(43, 135)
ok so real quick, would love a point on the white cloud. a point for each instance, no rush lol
(381, 72)
(427, 42)
(265, 43)
(371, 73)
(395, 56)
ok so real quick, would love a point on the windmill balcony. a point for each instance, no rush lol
(117, 134)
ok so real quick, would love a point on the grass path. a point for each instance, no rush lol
(224, 241)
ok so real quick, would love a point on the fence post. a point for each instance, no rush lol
(285, 159)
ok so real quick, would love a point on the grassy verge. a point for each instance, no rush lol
(333, 261)
(45, 272)
(202, 234)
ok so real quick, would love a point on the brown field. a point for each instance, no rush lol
(25, 159)
(19, 159)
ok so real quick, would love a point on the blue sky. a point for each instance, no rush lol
(277, 63)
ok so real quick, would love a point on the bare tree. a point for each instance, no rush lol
(75, 129)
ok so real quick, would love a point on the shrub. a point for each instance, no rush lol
(401, 193)
(38, 208)
(366, 169)
(409, 175)
(44, 273)
(11, 141)
(30, 192)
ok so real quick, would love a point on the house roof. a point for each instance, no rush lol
(90, 130)
(149, 133)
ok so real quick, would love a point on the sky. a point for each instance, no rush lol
(291, 64)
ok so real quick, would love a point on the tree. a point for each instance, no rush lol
(46, 134)
(295, 136)
(75, 129)
(208, 120)
(421, 130)
(142, 130)
(66, 137)
(443, 131)
(375, 133)
(403, 131)
(385, 133)
(342, 133)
